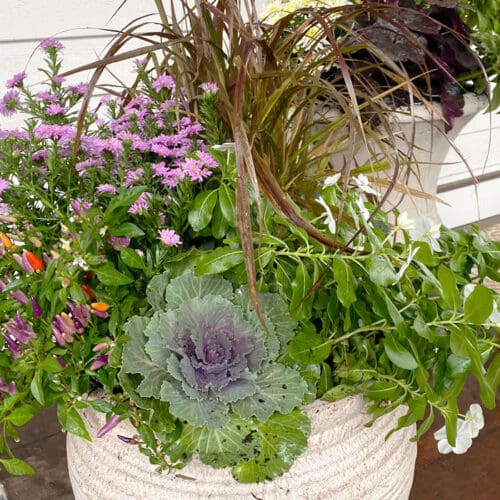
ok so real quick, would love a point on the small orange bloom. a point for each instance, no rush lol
(6, 241)
(35, 262)
(100, 306)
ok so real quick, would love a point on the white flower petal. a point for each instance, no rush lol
(363, 183)
(329, 219)
(404, 222)
(426, 230)
(444, 447)
(462, 444)
(331, 180)
(440, 434)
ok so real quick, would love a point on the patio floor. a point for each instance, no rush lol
(474, 475)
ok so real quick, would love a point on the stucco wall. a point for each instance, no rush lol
(86, 27)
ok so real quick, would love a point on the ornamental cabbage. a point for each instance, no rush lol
(206, 353)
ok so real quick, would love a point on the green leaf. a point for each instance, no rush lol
(227, 201)
(124, 200)
(425, 426)
(22, 415)
(51, 365)
(478, 305)
(398, 354)
(279, 388)
(17, 467)
(339, 392)
(282, 439)
(217, 448)
(131, 258)
(493, 373)
(37, 387)
(219, 260)
(450, 414)
(381, 270)
(300, 306)
(108, 275)
(449, 286)
(202, 209)
(417, 406)
(127, 229)
(346, 283)
(309, 348)
(71, 421)
(325, 382)
(383, 390)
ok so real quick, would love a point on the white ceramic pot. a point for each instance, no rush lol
(344, 460)
(430, 147)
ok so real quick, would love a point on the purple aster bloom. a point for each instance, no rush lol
(58, 79)
(113, 145)
(83, 165)
(39, 155)
(4, 209)
(18, 134)
(9, 102)
(163, 82)
(133, 175)
(140, 62)
(169, 237)
(80, 207)
(55, 109)
(16, 80)
(57, 132)
(110, 424)
(4, 184)
(194, 169)
(99, 361)
(51, 43)
(47, 96)
(106, 188)
(141, 205)
(79, 89)
(117, 242)
(210, 87)
(8, 388)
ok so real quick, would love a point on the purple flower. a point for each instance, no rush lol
(106, 188)
(13, 346)
(55, 109)
(35, 307)
(80, 207)
(9, 102)
(163, 82)
(80, 314)
(16, 80)
(19, 330)
(19, 296)
(8, 388)
(47, 96)
(133, 175)
(18, 134)
(51, 43)
(110, 424)
(58, 79)
(140, 62)
(4, 184)
(141, 205)
(118, 242)
(56, 132)
(99, 361)
(79, 89)
(169, 237)
(63, 328)
(209, 87)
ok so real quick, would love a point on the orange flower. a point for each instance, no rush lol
(6, 241)
(35, 262)
(100, 306)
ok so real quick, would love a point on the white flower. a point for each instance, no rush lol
(365, 214)
(494, 317)
(462, 443)
(363, 183)
(226, 146)
(426, 230)
(466, 430)
(404, 222)
(327, 214)
(331, 180)
(474, 420)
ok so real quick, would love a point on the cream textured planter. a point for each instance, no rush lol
(344, 460)
(431, 145)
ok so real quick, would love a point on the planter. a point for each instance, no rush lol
(430, 148)
(344, 460)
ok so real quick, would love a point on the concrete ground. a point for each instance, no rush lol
(473, 476)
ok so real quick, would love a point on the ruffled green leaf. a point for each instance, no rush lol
(280, 441)
(188, 286)
(279, 388)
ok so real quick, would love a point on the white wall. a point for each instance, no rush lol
(77, 23)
